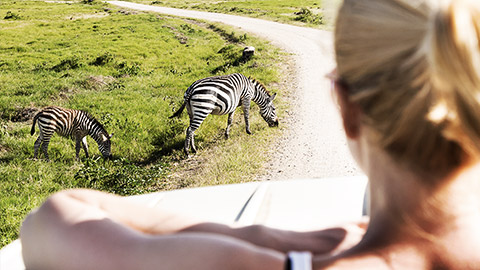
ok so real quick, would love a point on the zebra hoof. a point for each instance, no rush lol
(188, 154)
(249, 132)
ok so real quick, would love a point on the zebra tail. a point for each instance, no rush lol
(32, 131)
(179, 111)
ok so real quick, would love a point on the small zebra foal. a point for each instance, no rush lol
(222, 95)
(70, 123)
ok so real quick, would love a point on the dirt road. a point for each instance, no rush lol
(314, 145)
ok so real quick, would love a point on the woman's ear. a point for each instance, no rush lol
(350, 112)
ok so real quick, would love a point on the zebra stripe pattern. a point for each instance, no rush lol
(69, 123)
(222, 95)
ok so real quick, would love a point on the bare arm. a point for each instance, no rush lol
(94, 221)
(67, 233)
(163, 221)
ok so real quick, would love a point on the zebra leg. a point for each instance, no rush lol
(196, 119)
(189, 142)
(229, 124)
(85, 145)
(77, 147)
(37, 144)
(46, 141)
(194, 149)
(246, 113)
(80, 142)
(189, 133)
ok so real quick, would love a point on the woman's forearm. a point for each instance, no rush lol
(317, 242)
(157, 221)
(65, 233)
(163, 221)
(131, 214)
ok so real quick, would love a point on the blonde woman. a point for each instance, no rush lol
(408, 88)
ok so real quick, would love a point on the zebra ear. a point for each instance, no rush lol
(110, 136)
(272, 97)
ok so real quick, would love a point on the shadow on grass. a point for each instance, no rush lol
(6, 159)
(164, 148)
(173, 149)
(233, 57)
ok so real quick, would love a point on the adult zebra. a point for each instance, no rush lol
(70, 123)
(222, 95)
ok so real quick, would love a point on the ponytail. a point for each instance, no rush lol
(413, 67)
(455, 61)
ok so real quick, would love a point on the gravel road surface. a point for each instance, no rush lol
(314, 145)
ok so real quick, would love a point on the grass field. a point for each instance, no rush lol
(129, 70)
(312, 13)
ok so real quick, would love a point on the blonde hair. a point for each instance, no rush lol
(413, 66)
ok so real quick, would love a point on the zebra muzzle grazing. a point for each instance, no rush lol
(70, 123)
(222, 95)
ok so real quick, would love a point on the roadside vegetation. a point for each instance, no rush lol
(129, 70)
(311, 13)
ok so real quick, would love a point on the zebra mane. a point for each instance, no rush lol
(95, 122)
(257, 83)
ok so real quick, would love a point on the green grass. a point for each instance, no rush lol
(129, 70)
(312, 13)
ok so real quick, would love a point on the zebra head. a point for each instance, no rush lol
(105, 145)
(268, 112)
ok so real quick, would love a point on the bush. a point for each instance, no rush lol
(103, 59)
(307, 16)
(127, 69)
(119, 176)
(11, 16)
(230, 37)
(66, 64)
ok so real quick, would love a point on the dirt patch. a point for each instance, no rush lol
(98, 82)
(24, 114)
(178, 35)
(61, 2)
(127, 12)
(86, 16)
(3, 149)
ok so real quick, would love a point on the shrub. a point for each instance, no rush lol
(230, 37)
(103, 59)
(119, 176)
(66, 64)
(187, 28)
(127, 69)
(11, 16)
(307, 16)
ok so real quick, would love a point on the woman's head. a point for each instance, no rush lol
(413, 67)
